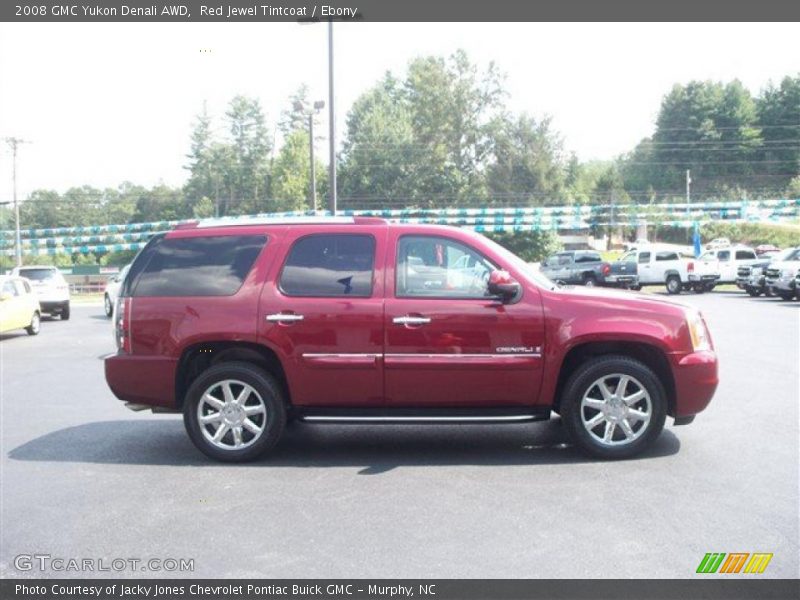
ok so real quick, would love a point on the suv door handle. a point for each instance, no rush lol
(409, 320)
(284, 318)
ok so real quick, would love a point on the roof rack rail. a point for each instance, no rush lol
(298, 220)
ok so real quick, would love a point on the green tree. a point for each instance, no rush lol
(527, 167)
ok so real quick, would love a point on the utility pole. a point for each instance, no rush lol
(13, 143)
(311, 158)
(688, 191)
(311, 113)
(332, 124)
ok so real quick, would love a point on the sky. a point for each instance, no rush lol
(102, 103)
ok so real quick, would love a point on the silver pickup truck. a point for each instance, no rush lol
(586, 267)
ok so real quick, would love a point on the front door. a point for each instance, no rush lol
(448, 343)
(322, 310)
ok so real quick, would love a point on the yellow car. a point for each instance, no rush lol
(19, 306)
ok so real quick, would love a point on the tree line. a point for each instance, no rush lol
(441, 135)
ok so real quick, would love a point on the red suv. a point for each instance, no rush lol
(245, 324)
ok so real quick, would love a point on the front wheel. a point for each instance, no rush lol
(36, 324)
(635, 288)
(108, 306)
(65, 312)
(673, 285)
(234, 412)
(613, 407)
(785, 295)
(753, 292)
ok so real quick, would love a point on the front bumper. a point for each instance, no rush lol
(786, 284)
(696, 379)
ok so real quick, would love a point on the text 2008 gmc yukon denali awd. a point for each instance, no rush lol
(243, 324)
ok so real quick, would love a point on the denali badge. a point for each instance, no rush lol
(518, 350)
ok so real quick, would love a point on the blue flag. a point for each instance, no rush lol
(698, 249)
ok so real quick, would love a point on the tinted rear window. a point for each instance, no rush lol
(745, 255)
(200, 266)
(38, 274)
(329, 266)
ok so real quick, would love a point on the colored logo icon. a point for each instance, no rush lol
(735, 562)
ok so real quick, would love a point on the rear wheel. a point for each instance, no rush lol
(673, 284)
(65, 312)
(36, 324)
(784, 295)
(613, 407)
(589, 280)
(635, 288)
(234, 412)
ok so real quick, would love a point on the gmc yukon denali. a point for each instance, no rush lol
(242, 325)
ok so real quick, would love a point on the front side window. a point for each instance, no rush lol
(644, 258)
(436, 267)
(724, 255)
(330, 265)
(745, 255)
(199, 266)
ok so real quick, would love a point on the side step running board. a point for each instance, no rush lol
(411, 416)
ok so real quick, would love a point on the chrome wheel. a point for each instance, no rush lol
(616, 409)
(232, 415)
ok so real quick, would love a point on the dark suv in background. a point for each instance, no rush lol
(241, 325)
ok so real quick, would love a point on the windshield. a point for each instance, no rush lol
(788, 254)
(38, 274)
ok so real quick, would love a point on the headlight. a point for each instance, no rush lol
(701, 340)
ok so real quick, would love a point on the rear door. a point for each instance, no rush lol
(322, 309)
(448, 344)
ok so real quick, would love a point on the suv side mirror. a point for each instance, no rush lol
(503, 285)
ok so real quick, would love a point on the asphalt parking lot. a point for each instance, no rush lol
(83, 477)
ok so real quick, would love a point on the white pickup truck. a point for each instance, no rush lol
(727, 261)
(665, 266)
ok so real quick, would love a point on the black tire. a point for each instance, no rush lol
(673, 285)
(582, 381)
(710, 287)
(36, 324)
(784, 295)
(264, 385)
(65, 312)
(635, 288)
(589, 280)
(699, 288)
(108, 306)
(753, 292)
